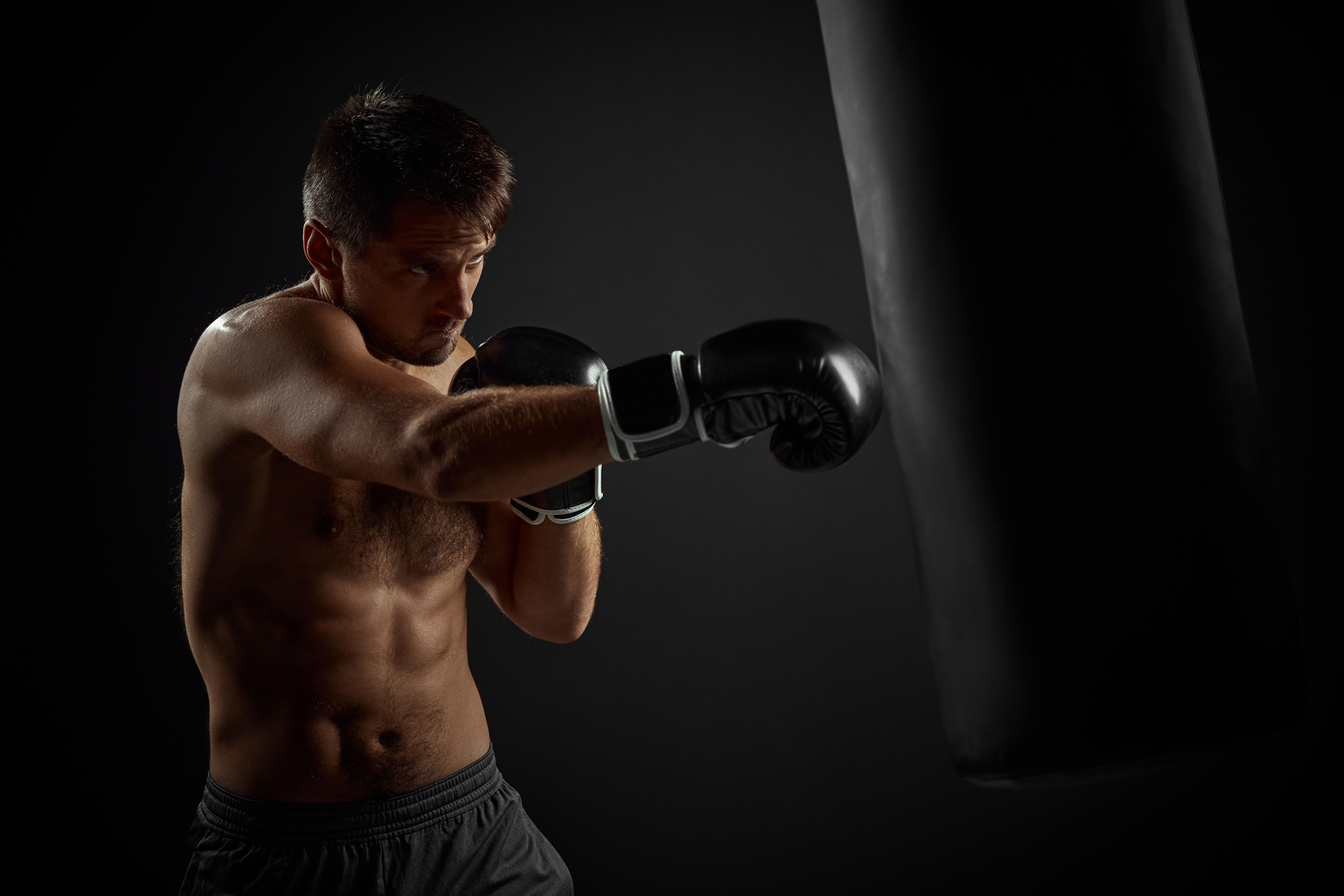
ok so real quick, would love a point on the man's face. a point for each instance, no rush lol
(410, 293)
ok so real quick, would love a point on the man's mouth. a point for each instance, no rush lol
(446, 326)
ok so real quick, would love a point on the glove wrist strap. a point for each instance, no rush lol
(651, 405)
(535, 516)
(567, 502)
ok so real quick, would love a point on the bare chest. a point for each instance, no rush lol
(392, 534)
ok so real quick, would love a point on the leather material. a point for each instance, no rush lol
(530, 356)
(649, 406)
(819, 391)
(1070, 386)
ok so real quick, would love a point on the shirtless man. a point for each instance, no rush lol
(339, 487)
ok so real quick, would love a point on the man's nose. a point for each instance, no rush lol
(455, 298)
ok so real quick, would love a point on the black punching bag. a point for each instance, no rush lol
(1068, 378)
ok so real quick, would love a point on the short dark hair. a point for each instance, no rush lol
(381, 148)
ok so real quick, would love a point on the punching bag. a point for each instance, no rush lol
(1068, 379)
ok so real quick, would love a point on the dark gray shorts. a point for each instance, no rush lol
(466, 834)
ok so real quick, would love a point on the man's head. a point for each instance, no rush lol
(381, 149)
(403, 197)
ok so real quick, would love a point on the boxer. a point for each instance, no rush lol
(349, 459)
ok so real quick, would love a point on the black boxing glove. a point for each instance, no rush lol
(819, 391)
(533, 356)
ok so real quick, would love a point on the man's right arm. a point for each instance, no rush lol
(296, 373)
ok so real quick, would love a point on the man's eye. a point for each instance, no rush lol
(422, 268)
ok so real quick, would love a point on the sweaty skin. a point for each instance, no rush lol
(334, 500)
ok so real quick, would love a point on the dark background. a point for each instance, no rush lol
(752, 707)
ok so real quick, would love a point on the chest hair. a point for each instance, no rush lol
(393, 534)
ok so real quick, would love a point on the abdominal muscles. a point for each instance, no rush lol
(336, 657)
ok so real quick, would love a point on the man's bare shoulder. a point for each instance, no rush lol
(258, 336)
(249, 349)
(293, 311)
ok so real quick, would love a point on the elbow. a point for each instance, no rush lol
(571, 634)
(544, 620)
(560, 631)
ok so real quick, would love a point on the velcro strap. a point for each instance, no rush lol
(647, 401)
(536, 516)
(647, 396)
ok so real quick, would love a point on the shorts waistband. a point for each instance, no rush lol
(371, 819)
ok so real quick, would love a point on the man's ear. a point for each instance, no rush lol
(321, 250)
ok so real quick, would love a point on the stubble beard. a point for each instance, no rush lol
(408, 351)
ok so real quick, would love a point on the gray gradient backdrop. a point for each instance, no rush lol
(752, 708)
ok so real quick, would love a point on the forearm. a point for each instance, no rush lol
(555, 577)
(498, 443)
(543, 577)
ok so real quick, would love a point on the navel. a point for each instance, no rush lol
(389, 738)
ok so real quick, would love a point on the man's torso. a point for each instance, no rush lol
(328, 618)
